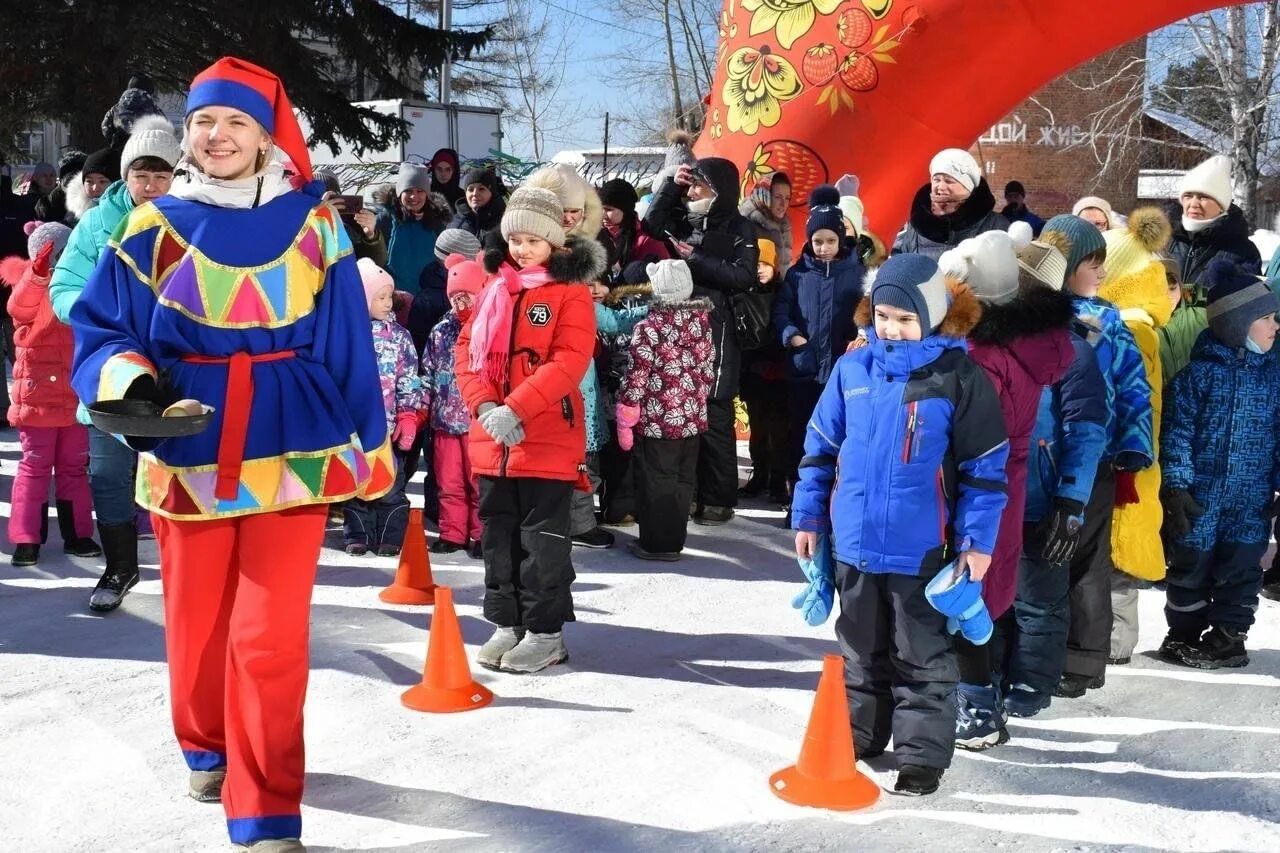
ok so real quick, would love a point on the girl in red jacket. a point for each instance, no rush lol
(519, 363)
(54, 446)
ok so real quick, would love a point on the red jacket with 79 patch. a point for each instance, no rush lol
(553, 337)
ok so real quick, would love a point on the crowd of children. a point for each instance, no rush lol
(1052, 423)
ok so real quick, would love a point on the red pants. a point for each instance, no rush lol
(237, 605)
(459, 497)
(60, 454)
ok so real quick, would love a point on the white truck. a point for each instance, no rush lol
(474, 132)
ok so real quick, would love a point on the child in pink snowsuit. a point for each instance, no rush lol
(450, 420)
(54, 446)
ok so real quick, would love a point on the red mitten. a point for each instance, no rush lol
(1126, 488)
(406, 430)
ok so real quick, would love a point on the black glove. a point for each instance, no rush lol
(1272, 509)
(1180, 511)
(1062, 531)
(160, 393)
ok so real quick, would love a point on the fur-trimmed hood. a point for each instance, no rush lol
(619, 295)
(1032, 311)
(581, 260)
(963, 313)
(698, 303)
(940, 229)
(566, 183)
(78, 201)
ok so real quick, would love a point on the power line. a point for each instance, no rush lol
(578, 14)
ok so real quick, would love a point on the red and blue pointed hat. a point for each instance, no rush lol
(255, 91)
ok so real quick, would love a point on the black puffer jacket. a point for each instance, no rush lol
(724, 257)
(929, 234)
(1227, 238)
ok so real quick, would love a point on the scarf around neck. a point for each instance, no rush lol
(1194, 226)
(490, 348)
(192, 184)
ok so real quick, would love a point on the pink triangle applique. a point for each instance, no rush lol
(247, 307)
(309, 246)
(291, 488)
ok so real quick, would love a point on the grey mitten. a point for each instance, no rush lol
(503, 425)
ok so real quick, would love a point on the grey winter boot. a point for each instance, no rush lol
(206, 785)
(120, 544)
(502, 641)
(535, 653)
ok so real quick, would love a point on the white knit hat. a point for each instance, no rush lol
(152, 136)
(671, 281)
(1211, 178)
(1098, 203)
(851, 207)
(987, 263)
(957, 163)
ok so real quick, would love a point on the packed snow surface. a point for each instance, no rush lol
(688, 685)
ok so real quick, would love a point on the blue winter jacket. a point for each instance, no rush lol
(1218, 440)
(817, 301)
(411, 246)
(1070, 435)
(904, 458)
(1130, 444)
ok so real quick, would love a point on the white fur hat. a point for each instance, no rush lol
(957, 163)
(1211, 178)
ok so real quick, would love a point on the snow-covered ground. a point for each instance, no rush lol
(689, 684)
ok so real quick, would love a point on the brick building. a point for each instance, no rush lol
(1047, 142)
(1088, 133)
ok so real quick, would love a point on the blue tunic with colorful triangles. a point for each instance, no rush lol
(182, 287)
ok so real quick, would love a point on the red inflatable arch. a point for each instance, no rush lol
(819, 88)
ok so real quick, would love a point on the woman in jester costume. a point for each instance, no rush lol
(240, 292)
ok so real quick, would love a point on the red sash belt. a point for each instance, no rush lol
(235, 414)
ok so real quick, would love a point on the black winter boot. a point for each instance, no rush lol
(1219, 647)
(1179, 647)
(75, 546)
(120, 543)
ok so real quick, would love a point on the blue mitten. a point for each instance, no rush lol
(815, 601)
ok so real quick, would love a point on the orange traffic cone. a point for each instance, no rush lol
(413, 583)
(446, 678)
(825, 776)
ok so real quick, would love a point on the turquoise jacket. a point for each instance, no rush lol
(85, 246)
(610, 321)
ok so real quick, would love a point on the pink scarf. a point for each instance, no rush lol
(491, 320)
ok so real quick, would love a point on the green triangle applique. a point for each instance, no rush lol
(310, 470)
(219, 285)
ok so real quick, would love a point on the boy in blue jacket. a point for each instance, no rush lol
(813, 312)
(1067, 445)
(904, 469)
(1219, 457)
(1129, 449)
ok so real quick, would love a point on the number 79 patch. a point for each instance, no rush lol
(539, 314)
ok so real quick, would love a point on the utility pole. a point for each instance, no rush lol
(605, 173)
(446, 70)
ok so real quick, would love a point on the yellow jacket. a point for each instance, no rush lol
(1135, 529)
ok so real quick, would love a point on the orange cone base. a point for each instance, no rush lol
(844, 795)
(441, 700)
(400, 594)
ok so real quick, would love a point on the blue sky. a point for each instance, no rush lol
(597, 34)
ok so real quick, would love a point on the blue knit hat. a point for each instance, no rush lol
(912, 283)
(1236, 299)
(1083, 238)
(824, 212)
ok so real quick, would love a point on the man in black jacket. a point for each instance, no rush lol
(697, 210)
